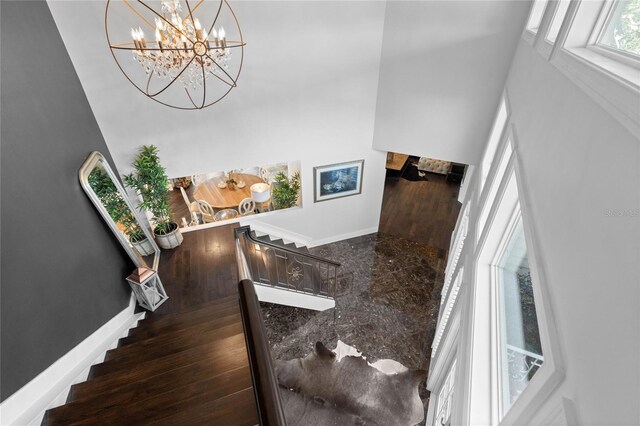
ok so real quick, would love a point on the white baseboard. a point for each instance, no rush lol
(282, 296)
(50, 388)
(346, 236)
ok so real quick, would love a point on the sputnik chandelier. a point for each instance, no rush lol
(173, 52)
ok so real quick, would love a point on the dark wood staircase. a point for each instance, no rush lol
(180, 368)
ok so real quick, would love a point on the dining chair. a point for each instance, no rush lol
(206, 211)
(265, 175)
(247, 207)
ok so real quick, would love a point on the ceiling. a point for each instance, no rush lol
(317, 72)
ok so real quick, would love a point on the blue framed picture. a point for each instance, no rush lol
(337, 180)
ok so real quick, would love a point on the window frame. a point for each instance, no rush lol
(610, 78)
(538, 7)
(594, 43)
(510, 202)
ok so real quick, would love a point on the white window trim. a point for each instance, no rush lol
(484, 201)
(607, 78)
(445, 312)
(482, 349)
(530, 34)
(495, 133)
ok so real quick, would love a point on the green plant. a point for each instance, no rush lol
(151, 182)
(231, 181)
(115, 204)
(285, 190)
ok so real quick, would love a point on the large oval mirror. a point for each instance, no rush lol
(106, 192)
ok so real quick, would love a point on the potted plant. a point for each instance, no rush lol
(285, 190)
(119, 211)
(151, 182)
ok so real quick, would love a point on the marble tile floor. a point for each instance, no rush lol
(387, 303)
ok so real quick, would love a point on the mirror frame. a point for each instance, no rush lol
(89, 164)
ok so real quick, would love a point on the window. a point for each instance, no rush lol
(493, 188)
(520, 348)
(445, 397)
(537, 10)
(621, 31)
(600, 52)
(494, 138)
(558, 18)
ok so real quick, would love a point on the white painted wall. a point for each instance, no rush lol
(441, 78)
(579, 162)
(307, 92)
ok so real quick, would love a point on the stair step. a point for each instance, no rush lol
(146, 330)
(180, 343)
(212, 352)
(134, 407)
(166, 340)
(238, 409)
(211, 305)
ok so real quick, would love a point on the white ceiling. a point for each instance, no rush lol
(313, 75)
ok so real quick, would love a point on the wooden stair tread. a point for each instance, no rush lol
(238, 409)
(159, 339)
(144, 354)
(145, 330)
(212, 306)
(121, 408)
(161, 366)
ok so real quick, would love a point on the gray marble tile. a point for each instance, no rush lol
(387, 306)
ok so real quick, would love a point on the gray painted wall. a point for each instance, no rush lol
(61, 269)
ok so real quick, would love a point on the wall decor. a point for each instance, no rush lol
(337, 180)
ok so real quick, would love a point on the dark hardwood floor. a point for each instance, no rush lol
(421, 211)
(178, 207)
(186, 363)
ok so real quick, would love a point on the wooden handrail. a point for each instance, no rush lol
(246, 231)
(265, 384)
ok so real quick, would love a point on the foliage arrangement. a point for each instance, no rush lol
(626, 32)
(285, 190)
(151, 182)
(115, 205)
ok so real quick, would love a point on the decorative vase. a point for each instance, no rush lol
(231, 186)
(170, 240)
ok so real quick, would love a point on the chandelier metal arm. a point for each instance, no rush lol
(223, 70)
(137, 13)
(184, 68)
(197, 6)
(216, 18)
(189, 9)
(184, 34)
(204, 92)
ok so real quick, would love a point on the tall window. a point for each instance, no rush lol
(622, 29)
(494, 138)
(445, 397)
(556, 22)
(520, 349)
(537, 10)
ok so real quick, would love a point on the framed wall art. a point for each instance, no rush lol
(337, 180)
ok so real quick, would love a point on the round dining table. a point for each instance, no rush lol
(225, 198)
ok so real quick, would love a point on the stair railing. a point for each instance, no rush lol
(286, 268)
(265, 384)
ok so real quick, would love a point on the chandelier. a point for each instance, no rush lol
(177, 53)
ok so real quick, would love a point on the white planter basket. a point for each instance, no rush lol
(170, 240)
